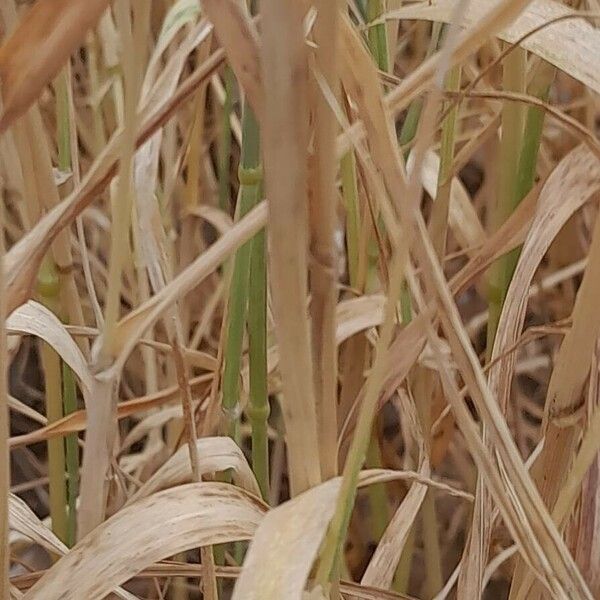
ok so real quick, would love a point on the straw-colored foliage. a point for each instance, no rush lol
(299, 299)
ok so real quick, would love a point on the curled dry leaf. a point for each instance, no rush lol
(197, 514)
(521, 505)
(565, 399)
(569, 186)
(35, 319)
(214, 454)
(574, 181)
(567, 44)
(22, 519)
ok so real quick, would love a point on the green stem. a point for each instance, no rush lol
(258, 409)
(72, 453)
(433, 560)
(48, 288)
(402, 574)
(532, 135)
(69, 389)
(377, 34)
(413, 114)
(250, 176)
(407, 134)
(439, 215)
(507, 200)
(534, 123)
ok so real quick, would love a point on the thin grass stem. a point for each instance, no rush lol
(250, 176)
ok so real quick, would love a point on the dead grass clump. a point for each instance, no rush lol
(299, 299)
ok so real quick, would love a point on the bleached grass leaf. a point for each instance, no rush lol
(35, 319)
(179, 15)
(23, 520)
(189, 516)
(567, 44)
(286, 543)
(214, 454)
(570, 185)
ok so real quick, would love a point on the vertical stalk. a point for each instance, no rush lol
(48, 288)
(378, 44)
(258, 409)
(71, 454)
(323, 221)
(426, 379)
(121, 208)
(377, 34)
(331, 550)
(532, 135)
(425, 384)
(513, 114)
(250, 176)
(69, 389)
(402, 574)
(540, 87)
(377, 493)
(534, 123)
(407, 134)
(285, 131)
(438, 225)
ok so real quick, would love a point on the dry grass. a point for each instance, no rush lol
(299, 299)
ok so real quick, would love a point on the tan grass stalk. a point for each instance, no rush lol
(285, 134)
(323, 221)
